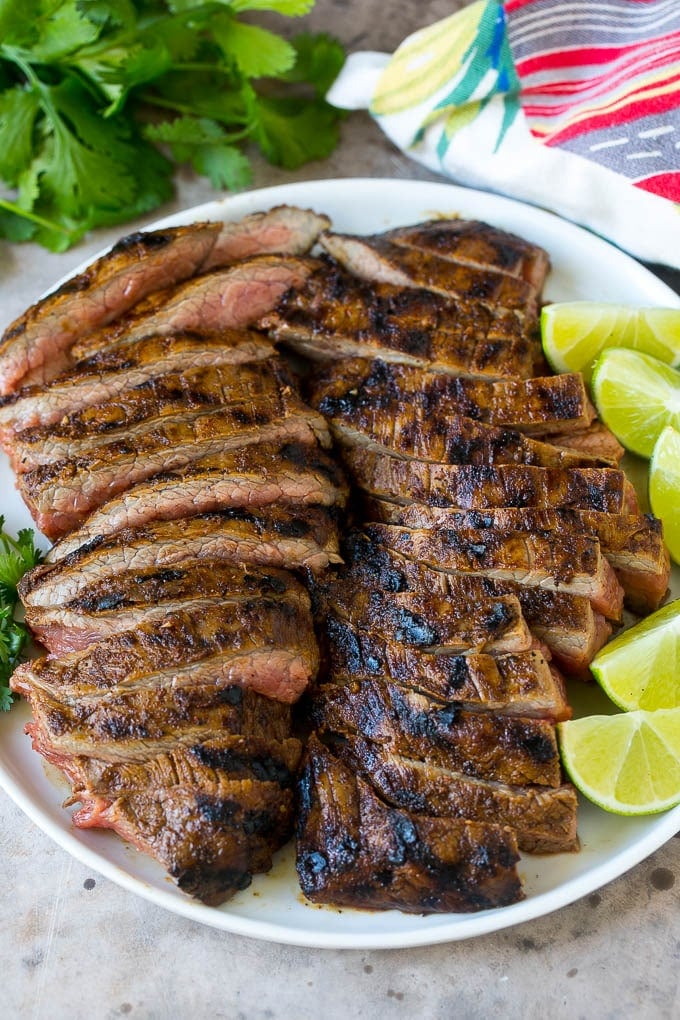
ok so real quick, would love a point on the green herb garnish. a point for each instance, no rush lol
(17, 555)
(89, 90)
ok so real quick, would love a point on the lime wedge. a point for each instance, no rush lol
(628, 764)
(637, 396)
(664, 487)
(574, 333)
(641, 667)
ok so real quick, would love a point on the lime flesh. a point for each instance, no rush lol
(664, 487)
(628, 764)
(641, 667)
(636, 396)
(575, 333)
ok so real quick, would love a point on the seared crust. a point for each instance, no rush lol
(334, 315)
(355, 850)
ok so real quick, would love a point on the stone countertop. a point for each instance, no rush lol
(75, 945)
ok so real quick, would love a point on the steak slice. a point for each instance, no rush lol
(110, 605)
(517, 684)
(565, 623)
(482, 487)
(595, 441)
(476, 244)
(140, 726)
(538, 406)
(107, 375)
(294, 474)
(273, 537)
(211, 836)
(61, 495)
(222, 299)
(159, 399)
(543, 819)
(424, 619)
(264, 644)
(559, 559)
(632, 543)
(374, 258)
(355, 850)
(508, 749)
(284, 229)
(334, 315)
(36, 346)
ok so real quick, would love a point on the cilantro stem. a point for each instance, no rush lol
(33, 217)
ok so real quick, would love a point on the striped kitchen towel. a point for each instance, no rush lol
(573, 105)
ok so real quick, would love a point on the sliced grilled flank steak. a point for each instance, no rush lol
(106, 375)
(283, 229)
(138, 727)
(516, 684)
(273, 537)
(632, 543)
(596, 441)
(222, 299)
(425, 619)
(335, 315)
(36, 347)
(373, 258)
(476, 244)
(509, 749)
(265, 644)
(481, 487)
(296, 474)
(113, 604)
(355, 850)
(175, 397)
(61, 495)
(537, 406)
(543, 819)
(565, 623)
(226, 789)
(559, 560)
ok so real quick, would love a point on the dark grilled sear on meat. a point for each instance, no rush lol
(353, 849)
(334, 315)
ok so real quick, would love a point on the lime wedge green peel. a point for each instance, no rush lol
(641, 667)
(636, 396)
(628, 764)
(575, 332)
(664, 487)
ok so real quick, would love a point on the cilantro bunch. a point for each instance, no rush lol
(17, 555)
(99, 97)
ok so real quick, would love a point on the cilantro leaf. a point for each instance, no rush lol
(291, 8)
(205, 144)
(17, 555)
(292, 131)
(319, 61)
(19, 109)
(255, 51)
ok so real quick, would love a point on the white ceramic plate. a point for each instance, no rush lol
(273, 907)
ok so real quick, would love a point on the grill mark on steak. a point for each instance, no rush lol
(258, 475)
(543, 819)
(117, 370)
(373, 258)
(510, 749)
(355, 850)
(334, 315)
(476, 244)
(274, 537)
(481, 487)
(62, 494)
(536, 406)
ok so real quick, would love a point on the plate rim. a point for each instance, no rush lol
(462, 926)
